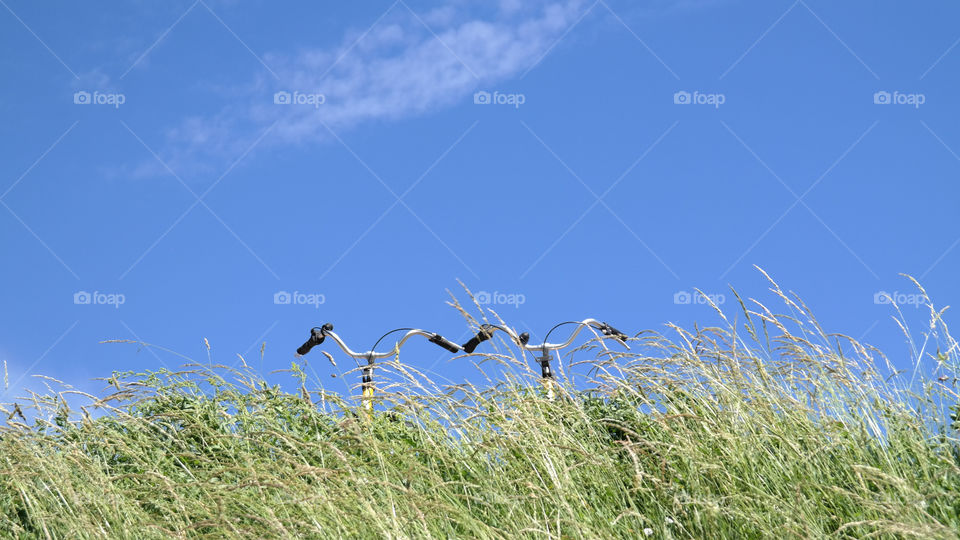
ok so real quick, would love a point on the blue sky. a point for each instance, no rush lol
(571, 159)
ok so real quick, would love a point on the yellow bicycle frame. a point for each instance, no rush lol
(367, 398)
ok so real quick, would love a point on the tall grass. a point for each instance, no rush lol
(765, 426)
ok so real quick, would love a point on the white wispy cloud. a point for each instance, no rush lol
(404, 65)
(402, 69)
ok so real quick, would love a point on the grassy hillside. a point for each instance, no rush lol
(766, 427)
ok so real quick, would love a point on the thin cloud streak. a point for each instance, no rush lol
(405, 64)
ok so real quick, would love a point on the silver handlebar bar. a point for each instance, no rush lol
(487, 330)
(370, 356)
(545, 346)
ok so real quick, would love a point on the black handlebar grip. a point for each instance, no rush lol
(305, 348)
(316, 338)
(471, 345)
(445, 343)
(484, 334)
(613, 332)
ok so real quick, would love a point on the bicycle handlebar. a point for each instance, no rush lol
(487, 330)
(318, 334)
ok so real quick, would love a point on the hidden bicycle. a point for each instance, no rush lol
(319, 334)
